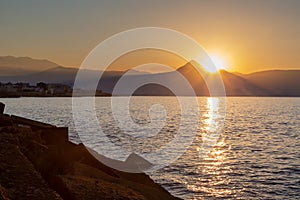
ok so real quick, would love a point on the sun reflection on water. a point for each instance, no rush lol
(212, 172)
(213, 166)
(212, 124)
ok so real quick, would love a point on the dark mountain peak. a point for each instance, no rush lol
(190, 67)
(227, 73)
(224, 71)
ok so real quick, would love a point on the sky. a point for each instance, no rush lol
(248, 35)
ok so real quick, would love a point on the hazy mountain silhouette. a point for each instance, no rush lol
(59, 74)
(53, 75)
(238, 86)
(12, 66)
(234, 85)
(277, 82)
(268, 83)
(265, 83)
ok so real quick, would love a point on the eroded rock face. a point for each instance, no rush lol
(34, 166)
(18, 177)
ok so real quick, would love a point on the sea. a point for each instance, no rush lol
(254, 152)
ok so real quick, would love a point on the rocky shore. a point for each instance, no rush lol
(38, 162)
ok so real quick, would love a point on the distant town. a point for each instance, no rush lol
(42, 89)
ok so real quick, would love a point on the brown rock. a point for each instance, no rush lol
(34, 166)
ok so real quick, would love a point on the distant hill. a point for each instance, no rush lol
(239, 86)
(53, 75)
(265, 83)
(277, 82)
(12, 66)
(63, 75)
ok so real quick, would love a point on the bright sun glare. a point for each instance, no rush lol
(218, 61)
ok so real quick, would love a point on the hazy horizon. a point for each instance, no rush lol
(117, 67)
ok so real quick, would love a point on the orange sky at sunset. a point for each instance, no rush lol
(244, 36)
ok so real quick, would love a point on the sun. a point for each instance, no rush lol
(218, 61)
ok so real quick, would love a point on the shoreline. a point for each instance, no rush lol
(37, 161)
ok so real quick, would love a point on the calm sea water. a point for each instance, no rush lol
(257, 155)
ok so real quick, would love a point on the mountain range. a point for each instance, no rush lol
(264, 83)
(12, 66)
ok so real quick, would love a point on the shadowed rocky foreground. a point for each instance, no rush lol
(38, 162)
